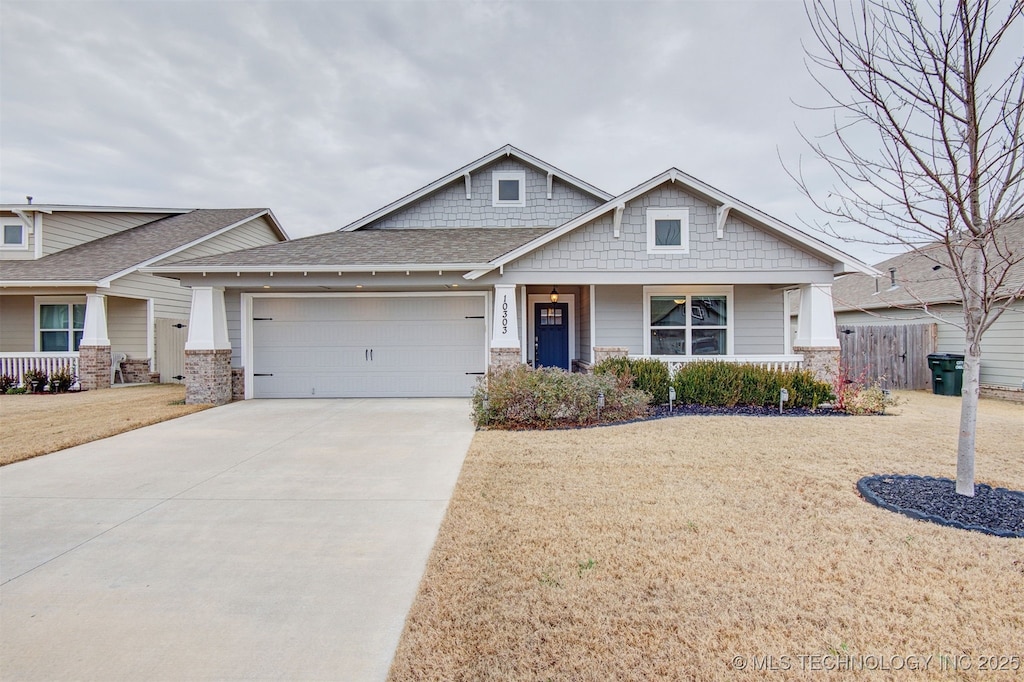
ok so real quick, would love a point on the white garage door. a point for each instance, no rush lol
(368, 347)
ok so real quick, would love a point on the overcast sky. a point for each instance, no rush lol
(325, 111)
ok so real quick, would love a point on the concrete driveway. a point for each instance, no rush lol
(263, 539)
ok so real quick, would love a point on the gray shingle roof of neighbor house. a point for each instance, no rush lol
(102, 258)
(464, 246)
(924, 276)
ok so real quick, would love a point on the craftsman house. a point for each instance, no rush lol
(72, 293)
(505, 260)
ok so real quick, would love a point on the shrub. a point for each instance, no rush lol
(644, 374)
(34, 379)
(522, 397)
(7, 382)
(859, 397)
(726, 384)
(61, 380)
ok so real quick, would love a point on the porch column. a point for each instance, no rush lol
(94, 350)
(816, 337)
(207, 350)
(505, 344)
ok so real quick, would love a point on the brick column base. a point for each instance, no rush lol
(602, 353)
(94, 367)
(135, 371)
(238, 383)
(208, 377)
(822, 362)
(505, 357)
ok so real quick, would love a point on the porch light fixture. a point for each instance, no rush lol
(554, 295)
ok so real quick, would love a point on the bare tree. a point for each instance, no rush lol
(925, 146)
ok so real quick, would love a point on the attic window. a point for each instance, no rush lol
(668, 230)
(508, 188)
(14, 236)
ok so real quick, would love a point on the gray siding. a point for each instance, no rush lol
(126, 326)
(64, 230)
(759, 324)
(619, 316)
(254, 233)
(233, 311)
(17, 324)
(593, 247)
(170, 299)
(583, 325)
(448, 207)
(1002, 347)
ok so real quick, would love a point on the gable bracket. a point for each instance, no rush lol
(617, 220)
(469, 186)
(723, 215)
(551, 178)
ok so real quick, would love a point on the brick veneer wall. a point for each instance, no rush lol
(505, 357)
(822, 362)
(238, 383)
(207, 377)
(136, 371)
(602, 353)
(94, 367)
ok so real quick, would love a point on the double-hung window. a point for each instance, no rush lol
(60, 326)
(689, 321)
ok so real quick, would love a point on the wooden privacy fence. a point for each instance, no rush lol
(896, 355)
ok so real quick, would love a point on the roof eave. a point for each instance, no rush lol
(13, 283)
(320, 268)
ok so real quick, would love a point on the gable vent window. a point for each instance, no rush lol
(509, 188)
(668, 230)
(14, 236)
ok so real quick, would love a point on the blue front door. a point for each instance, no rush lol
(551, 328)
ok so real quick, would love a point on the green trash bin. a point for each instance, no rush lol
(947, 373)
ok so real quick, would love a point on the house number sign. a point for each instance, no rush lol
(504, 314)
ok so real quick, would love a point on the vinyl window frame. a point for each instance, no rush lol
(18, 246)
(497, 177)
(682, 215)
(689, 292)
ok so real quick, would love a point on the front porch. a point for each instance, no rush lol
(575, 327)
(102, 340)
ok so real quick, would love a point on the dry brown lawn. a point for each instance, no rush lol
(666, 549)
(38, 424)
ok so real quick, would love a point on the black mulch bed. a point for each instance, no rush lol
(995, 511)
(661, 411)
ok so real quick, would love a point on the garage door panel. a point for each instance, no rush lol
(321, 346)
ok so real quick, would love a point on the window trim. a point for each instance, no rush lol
(689, 292)
(682, 215)
(56, 300)
(21, 246)
(497, 176)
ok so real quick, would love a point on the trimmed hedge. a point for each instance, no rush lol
(523, 397)
(645, 374)
(726, 384)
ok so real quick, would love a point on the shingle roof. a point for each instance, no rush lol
(924, 276)
(449, 246)
(101, 258)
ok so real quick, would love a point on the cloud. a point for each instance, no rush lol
(325, 111)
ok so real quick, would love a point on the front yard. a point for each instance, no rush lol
(38, 424)
(708, 547)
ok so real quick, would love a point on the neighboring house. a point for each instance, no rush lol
(420, 297)
(71, 291)
(919, 287)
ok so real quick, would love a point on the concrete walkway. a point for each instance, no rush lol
(260, 540)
